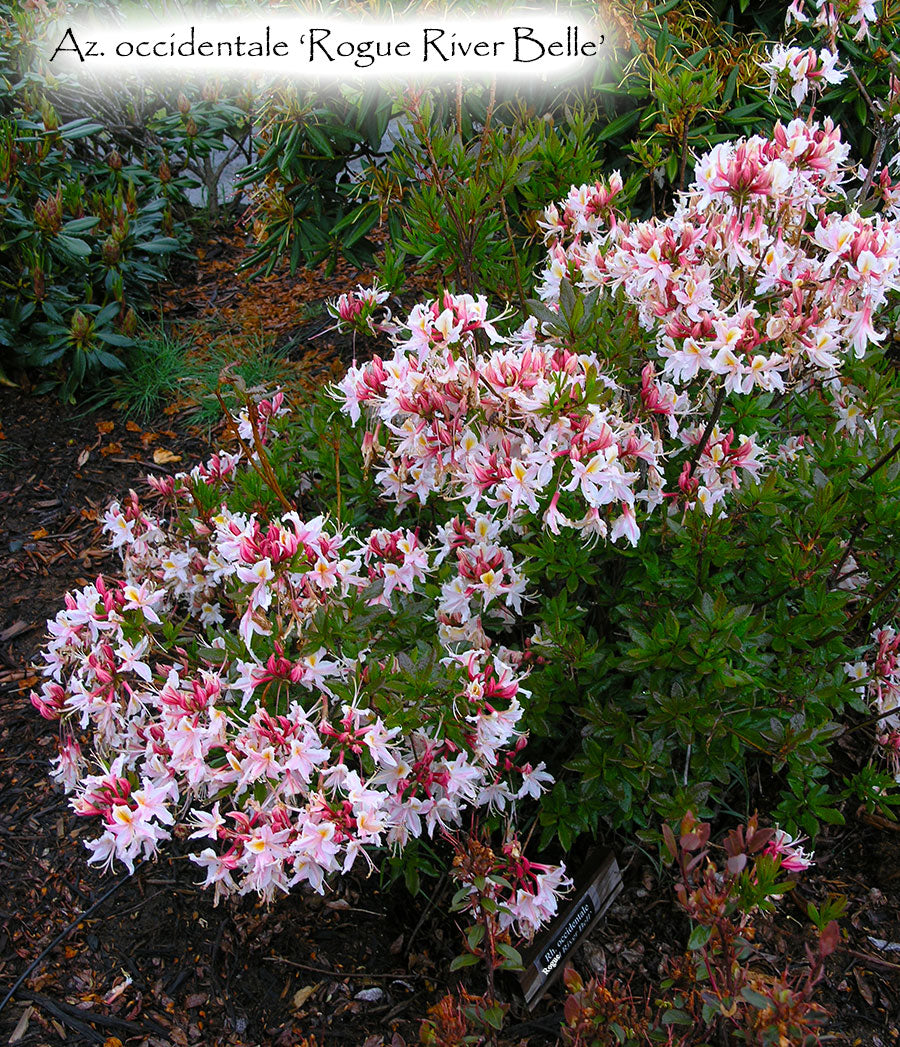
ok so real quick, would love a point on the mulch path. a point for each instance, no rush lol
(147, 959)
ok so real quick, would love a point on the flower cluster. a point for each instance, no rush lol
(506, 887)
(787, 849)
(238, 728)
(362, 310)
(750, 286)
(805, 70)
(750, 281)
(507, 431)
(860, 13)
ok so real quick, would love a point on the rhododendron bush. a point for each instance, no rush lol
(616, 557)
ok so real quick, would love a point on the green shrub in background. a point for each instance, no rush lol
(462, 198)
(90, 207)
(304, 198)
(469, 166)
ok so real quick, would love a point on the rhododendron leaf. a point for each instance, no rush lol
(72, 245)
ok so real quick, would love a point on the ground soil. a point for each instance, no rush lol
(147, 959)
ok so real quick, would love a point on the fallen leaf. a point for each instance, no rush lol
(302, 995)
(83, 457)
(105, 427)
(121, 985)
(162, 457)
(41, 532)
(132, 427)
(863, 986)
(113, 448)
(22, 1025)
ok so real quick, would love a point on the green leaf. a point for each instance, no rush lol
(700, 935)
(80, 225)
(494, 1017)
(674, 1016)
(110, 362)
(79, 129)
(757, 999)
(730, 85)
(512, 955)
(466, 960)
(161, 245)
(319, 140)
(475, 935)
(620, 124)
(111, 338)
(72, 245)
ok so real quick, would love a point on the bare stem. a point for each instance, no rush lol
(515, 257)
(710, 425)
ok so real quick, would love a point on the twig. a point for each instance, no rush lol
(336, 974)
(682, 174)
(515, 256)
(108, 1021)
(74, 1023)
(867, 722)
(144, 465)
(710, 425)
(876, 961)
(882, 461)
(437, 893)
(878, 822)
(260, 464)
(858, 528)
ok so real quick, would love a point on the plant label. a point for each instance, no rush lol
(597, 884)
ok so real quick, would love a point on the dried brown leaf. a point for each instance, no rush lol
(162, 457)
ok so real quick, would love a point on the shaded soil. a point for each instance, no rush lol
(147, 959)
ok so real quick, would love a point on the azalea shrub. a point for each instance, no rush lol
(597, 566)
(689, 446)
(323, 723)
